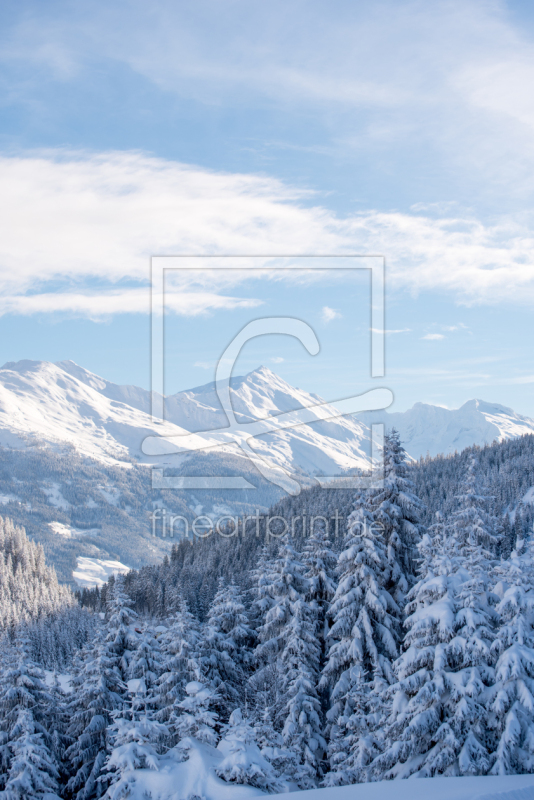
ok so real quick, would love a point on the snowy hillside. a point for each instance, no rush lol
(64, 403)
(41, 403)
(434, 429)
(322, 447)
(95, 571)
(507, 787)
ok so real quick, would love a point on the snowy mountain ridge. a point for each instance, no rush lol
(49, 403)
(432, 429)
(63, 403)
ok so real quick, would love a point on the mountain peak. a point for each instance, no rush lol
(262, 372)
(27, 365)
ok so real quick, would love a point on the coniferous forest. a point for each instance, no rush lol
(392, 638)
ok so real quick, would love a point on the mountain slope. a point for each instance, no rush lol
(433, 429)
(65, 403)
(322, 447)
(41, 403)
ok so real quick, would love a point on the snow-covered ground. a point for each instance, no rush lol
(91, 572)
(69, 532)
(507, 787)
(55, 498)
(64, 680)
(8, 498)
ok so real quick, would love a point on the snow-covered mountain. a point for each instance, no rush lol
(41, 403)
(323, 447)
(433, 429)
(64, 403)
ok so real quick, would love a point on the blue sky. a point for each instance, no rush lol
(405, 128)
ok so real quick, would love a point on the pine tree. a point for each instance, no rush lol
(302, 731)
(145, 669)
(134, 742)
(271, 744)
(243, 763)
(198, 720)
(224, 649)
(364, 635)
(99, 690)
(320, 564)
(26, 705)
(438, 721)
(396, 508)
(288, 639)
(512, 696)
(181, 665)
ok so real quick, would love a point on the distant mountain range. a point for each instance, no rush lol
(73, 472)
(427, 429)
(64, 403)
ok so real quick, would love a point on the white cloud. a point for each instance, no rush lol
(276, 360)
(433, 336)
(454, 75)
(104, 304)
(203, 365)
(328, 314)
(90, 223)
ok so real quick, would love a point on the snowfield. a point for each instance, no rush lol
(506, 787)
(91, 572)
(69, 532)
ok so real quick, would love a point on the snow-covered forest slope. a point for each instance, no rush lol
(505, 469)
(398, 644)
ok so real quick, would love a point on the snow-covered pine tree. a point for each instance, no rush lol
(474, 532)
(145, 669)
(99, 690)
(226, 639)
(474, 526)
(181, 665)
(131, 749)
(135, 736)
(320, 563)
(512, 696)
(364, 636)
(271, 744)
(198, 720)
(418, 738)
(397, 508)
(288, 640)
(30, 768)
(122, 640)
(439, 723)
(261, 588)
(303, 724)
(243, 762)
